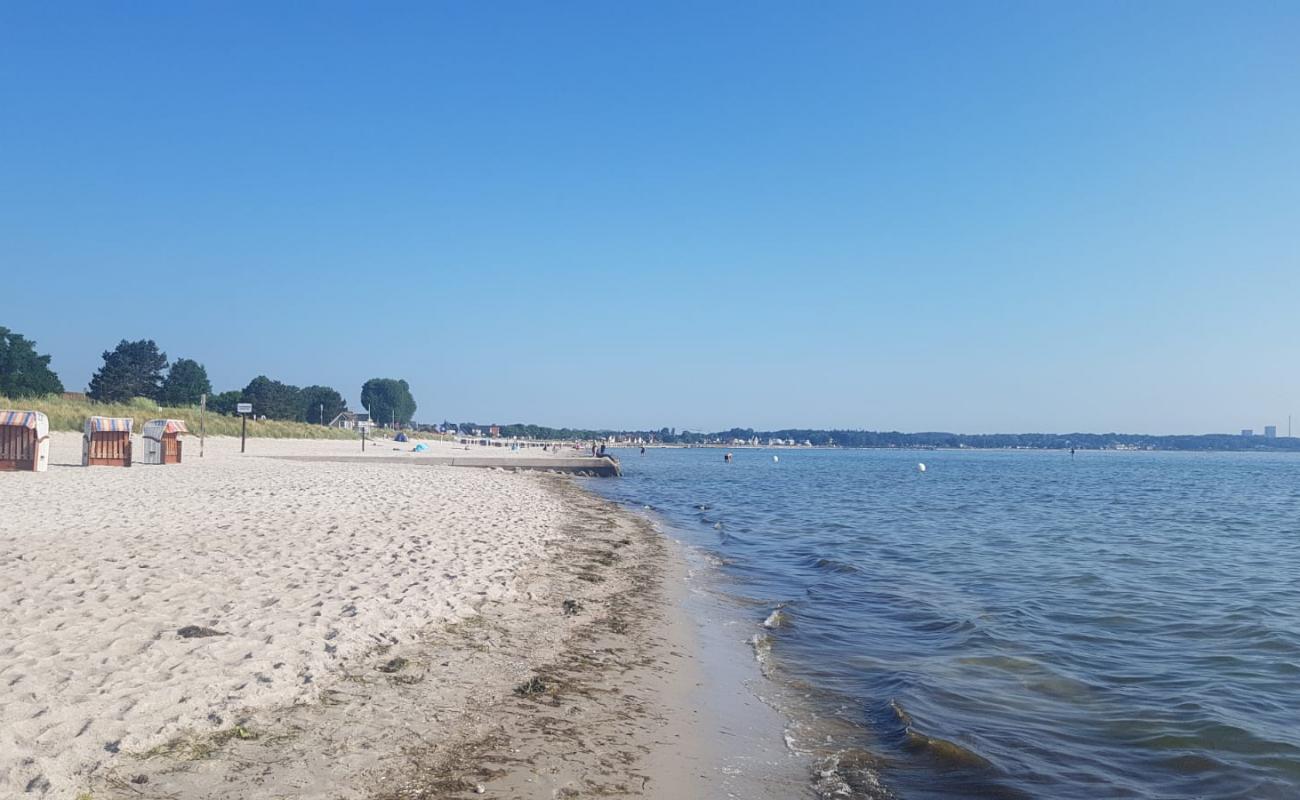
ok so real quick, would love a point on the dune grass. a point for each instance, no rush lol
(70, 415)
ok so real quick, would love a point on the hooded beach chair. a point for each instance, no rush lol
(107, 442)
(162, 443)
(24, 441)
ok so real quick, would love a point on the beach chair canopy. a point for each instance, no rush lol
(27, 419)
(156, 428)
(95, 424)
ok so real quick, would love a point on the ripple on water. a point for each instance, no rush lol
(1113, 625)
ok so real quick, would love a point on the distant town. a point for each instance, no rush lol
(748, 437)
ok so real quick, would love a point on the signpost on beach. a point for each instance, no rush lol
(244, 410)
(203, 420)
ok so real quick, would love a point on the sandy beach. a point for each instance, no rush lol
(251, 626)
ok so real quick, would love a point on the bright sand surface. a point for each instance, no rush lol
(317, 581)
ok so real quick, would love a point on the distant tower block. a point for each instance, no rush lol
(1247, 431)
(1270, 431)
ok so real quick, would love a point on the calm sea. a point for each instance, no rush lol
(1011, 624)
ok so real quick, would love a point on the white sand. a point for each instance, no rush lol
(302, 566)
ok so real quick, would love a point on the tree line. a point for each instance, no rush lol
(141, 369)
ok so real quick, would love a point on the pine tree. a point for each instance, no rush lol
(133, 369)
(186, 382)
(24, 373)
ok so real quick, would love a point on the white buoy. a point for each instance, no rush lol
(920, 467)
(776, 458)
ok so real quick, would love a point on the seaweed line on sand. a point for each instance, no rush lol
(440, 717)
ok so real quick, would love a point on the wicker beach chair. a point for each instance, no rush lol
(162, 442)
(24, 441)
(107, 442)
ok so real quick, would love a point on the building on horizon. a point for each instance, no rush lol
(353, 421)
(1270, 431)
(1247, 431)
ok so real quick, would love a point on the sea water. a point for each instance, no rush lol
(1009, 624)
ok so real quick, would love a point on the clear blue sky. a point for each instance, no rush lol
(918, 216)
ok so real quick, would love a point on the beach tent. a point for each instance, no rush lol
(107, 442)
(24, 441)
(162, 442)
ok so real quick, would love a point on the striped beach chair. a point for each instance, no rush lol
(107, 442)
(162, 443)
(24, 441)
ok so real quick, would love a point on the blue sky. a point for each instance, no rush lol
(919, 216)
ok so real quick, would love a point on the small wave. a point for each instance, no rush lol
(1001, 662)
(835, 566)
(948, 754)
(729, 538)
(777, 619)
(848, 773)
(1193, 763)
(830, 565)
(946, 626)
(714, 560)
(762, 644)
(900, 714)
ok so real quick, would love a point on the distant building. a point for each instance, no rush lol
(353, 421)
(494, 431)
(1247, 431)
(1270, 431)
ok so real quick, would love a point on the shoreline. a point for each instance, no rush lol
(744, 709)
(574, 671)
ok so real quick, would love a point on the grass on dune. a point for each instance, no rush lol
(70, 415)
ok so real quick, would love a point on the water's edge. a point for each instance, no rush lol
(738, 699)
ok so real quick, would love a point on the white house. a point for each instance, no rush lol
(353, 421)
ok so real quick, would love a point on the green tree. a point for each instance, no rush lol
(388, 401)
(133, 369)
(24, 373)
(225, 402)
(186, 381)
(272, 399)
(313, 398)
